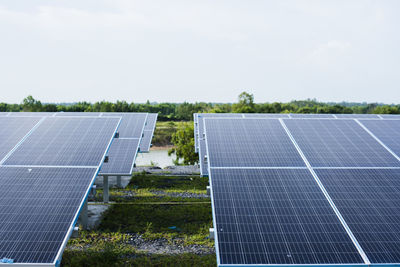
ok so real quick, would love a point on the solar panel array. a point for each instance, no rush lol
(48, 162)
(304, 190)
(44, 179)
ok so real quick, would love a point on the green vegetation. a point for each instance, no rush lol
(178, 224)
(183, 140)
(184, 111)
(163, 133)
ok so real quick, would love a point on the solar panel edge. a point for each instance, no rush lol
(148, 146)
(71, 228)
(212, 205)
(144, 125)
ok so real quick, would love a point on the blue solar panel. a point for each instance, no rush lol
(132, 124)
(145, 143)
(12, 130)
(121, 157)
(38, 207)
(249, 143)
(297, 115)
(265, 115)
(276, 216)
(387, 131)
(357, 116)
(61, 141)
(30, 114)
(79, 114)
(390, 116)
(338, 143)
(369, 201)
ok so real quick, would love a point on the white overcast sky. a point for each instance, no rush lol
(205, 50)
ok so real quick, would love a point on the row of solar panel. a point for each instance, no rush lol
(136, 129)
(312, 130)
(47, 167)
(305, 191)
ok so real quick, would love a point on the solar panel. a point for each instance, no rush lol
(249, 143)
(203, 161)
(265, 115)
(369, 201)
(37, 208)
(12, 130)
(79, 114)
(30, 114)
(145, 143)
(132, 124)
(121, 157)
(387, 131)
(357, 116)
(61, 141)
(297, 115)
(390, 116)
(338, 143)
(276, 216)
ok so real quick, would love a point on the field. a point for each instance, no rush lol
(157, 220)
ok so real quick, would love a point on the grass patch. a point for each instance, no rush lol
(184, 183)
(100, 259)
(189, 222)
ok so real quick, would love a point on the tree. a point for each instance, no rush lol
(245, 104)
(30, 104)
(183, 140)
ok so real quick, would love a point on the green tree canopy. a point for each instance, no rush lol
(183, 140)
(245, 104)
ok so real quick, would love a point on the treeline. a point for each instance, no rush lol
(184, 111)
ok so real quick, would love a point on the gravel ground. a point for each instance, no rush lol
(171, 170)
(163, 246)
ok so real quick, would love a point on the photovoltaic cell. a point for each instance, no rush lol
(64, 141)
(12, 130)
(132, 124)
(357, 116)
(387, 131)
(390, 116)
(145, 143)
(249, 143)
(37, 207)
(30, 114)
(297, 115)
(121, 157)
(276, 216)
(79, 114)
(265, 115)
(369, 201)
(338, 143)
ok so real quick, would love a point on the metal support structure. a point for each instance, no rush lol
(212, 234)
(208, 190)
(119, 184)
(84, 215)
(106, 189)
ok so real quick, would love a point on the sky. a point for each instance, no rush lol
(205, 50)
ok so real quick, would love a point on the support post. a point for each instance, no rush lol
(84, 215)
(105, 189)
(119, 184)
(208, 190)
(212, 234)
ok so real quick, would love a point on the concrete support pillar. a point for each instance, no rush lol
(106, 189)
(84, 215)
(208, 190)
(212, 234)
(119, 184)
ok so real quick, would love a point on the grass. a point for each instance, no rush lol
(180, 221)
(110, 258)
(143, 180)
(190, 223)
